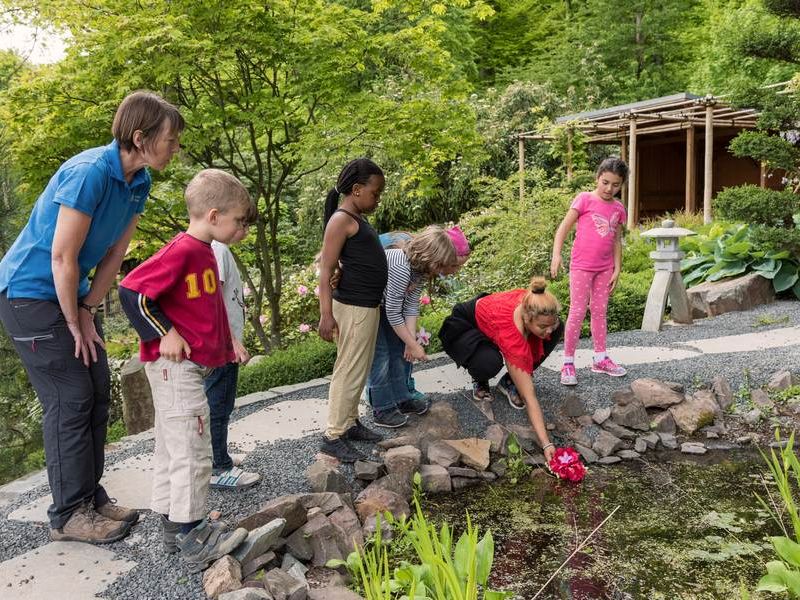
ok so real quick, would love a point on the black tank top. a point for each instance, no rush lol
(364, 267)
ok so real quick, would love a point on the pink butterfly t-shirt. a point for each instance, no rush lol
(597, 229)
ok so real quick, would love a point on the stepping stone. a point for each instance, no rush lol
(62, 571)
(288, 420)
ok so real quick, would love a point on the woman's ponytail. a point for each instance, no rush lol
(331, 203)
(538, 301)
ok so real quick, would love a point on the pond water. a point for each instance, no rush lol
(685, 528)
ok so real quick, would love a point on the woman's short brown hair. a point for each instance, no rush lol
(147, 112)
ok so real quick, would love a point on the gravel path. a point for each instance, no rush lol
(282, 464)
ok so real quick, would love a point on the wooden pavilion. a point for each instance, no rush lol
(675, 146)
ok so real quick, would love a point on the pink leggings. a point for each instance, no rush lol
(587, 288)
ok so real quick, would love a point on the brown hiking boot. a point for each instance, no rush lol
(85, 525)
(110, 510)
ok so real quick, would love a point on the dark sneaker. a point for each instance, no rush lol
(359, 433)
(340, 449)
(110, 510)
(481, 391)
(86, 525)
(506, 387)
(413, 406)
(208, 542)
(391, 418)
(170, 534)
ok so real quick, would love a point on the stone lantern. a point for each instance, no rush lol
(667, 282)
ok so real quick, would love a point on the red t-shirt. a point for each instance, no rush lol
(495, 317)
(183, 279)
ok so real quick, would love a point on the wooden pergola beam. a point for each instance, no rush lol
(708, 173)
(633, 201)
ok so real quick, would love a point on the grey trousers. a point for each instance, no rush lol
(74, 400)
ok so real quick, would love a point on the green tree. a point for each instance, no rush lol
(278, 94)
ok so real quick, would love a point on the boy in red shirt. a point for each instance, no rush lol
(174, 302)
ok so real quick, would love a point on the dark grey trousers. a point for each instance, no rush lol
(74, 400)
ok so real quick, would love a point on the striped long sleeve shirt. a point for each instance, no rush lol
(403, 289)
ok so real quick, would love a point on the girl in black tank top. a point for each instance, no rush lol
(363, 267)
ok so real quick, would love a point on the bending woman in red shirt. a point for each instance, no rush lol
(518, 327)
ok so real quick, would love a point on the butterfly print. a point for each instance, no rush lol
(605, 226)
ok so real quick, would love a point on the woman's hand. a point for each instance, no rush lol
(414, 352)
(549, 453)
(85, 335)
(173, 347)
(555, 265)
(328, 328)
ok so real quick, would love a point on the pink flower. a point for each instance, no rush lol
(566, 464)
(262, 319)
(304, 328)
(247, 291)
(423, 337)
(302, 290)
(316, 291)
(425, 300)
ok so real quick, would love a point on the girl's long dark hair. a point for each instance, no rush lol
(356, 171)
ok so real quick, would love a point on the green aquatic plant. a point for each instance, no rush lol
(516, 467)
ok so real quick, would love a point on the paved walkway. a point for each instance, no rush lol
(42, 573)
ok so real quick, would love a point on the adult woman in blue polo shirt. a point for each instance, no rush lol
(83, 221)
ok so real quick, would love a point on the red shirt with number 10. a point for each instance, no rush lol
(183, 279)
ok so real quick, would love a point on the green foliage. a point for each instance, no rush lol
(303, 361)
(783, 575)
(116, 431)
(756, 205)
(516, 467)
(729, 250)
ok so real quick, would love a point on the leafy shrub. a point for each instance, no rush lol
(727, 251)
(752, 204)
(300, 304)
(432, 322)
(302, 361)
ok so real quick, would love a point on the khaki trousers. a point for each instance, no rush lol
(355, 347)
(182, 458)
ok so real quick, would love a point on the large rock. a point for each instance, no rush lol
(440, 423)
(247, 594)
(496, 435)
(374, 499)
(137, 400)
(347, 528)
(435, 479)
(618, 430)
(259, 562)
(288, 508)
(299, 546)
(403, 461)
(761, 400)
(443, 454)
(722, 391)
(283, 586)
(606, 444)
(623, 396)
(663, 422)
(474, 452)
(588, 454)
(573, 405)
(653, 393)
(696, 411)
(631, 415)
(601, 415)
(326, 501)
(727, 295)
(324, 478)
(368, 470)
(323, 539)
(782, 380)
(259, 541)
(225, 575)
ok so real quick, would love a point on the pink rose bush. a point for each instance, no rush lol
(423, 337)
(304, 328)
(302, 290)
(425, 300)
(566, 464)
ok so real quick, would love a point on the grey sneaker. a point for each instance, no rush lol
(391, 418)
(208, 542)
(86, 525)
(170, 535)
(414, 406)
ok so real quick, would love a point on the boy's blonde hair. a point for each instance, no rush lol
(214, 188)
(538, 301)
(430, 251)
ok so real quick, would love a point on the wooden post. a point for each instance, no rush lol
(708, 166)
(521, 169)
(762, 175)
(633, 201)
(623, 154)
(570, 133)
(691, 172)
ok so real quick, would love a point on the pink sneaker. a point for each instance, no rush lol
(609, 367)
(568, 375)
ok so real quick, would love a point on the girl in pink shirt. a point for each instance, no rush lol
(594, 266)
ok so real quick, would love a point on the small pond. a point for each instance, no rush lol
(686, 528)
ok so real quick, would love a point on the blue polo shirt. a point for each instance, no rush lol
(93, 183)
